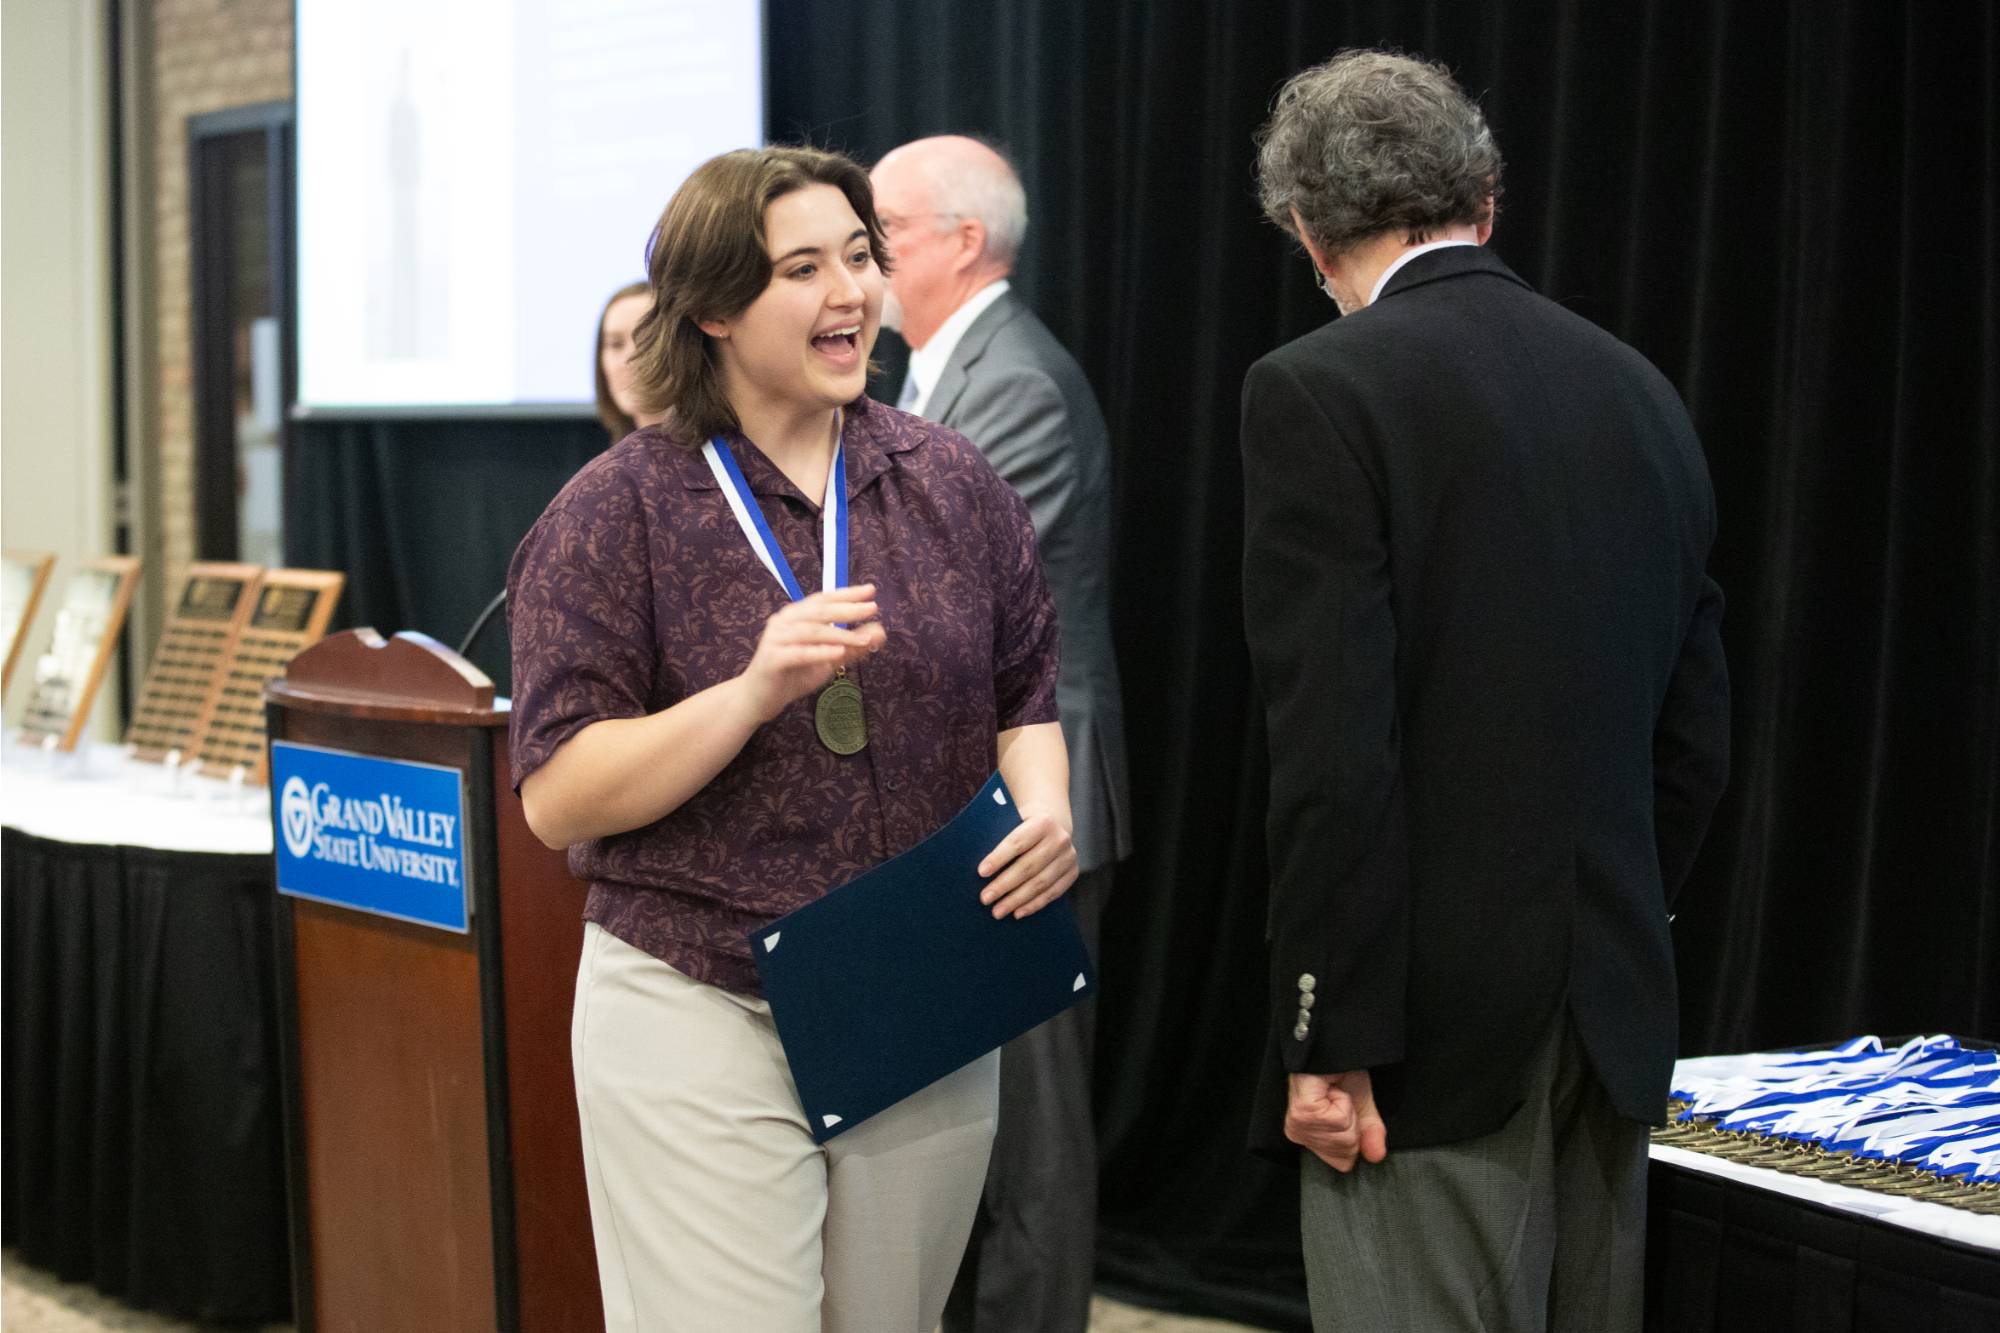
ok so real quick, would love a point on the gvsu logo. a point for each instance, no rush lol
(296, 817)
(370, 833)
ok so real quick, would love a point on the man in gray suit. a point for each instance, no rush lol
(954, 213)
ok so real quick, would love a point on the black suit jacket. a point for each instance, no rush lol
(1488, 653)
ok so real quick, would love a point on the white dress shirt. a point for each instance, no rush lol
(927, 362)
(1405, 258)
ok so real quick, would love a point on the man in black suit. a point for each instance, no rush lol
(1488, 652)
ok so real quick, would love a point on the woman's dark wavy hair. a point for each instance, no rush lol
(708, 259)
(1374, 141)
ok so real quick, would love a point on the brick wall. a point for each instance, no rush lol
(207, 55)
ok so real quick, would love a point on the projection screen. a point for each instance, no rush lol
(476, 176)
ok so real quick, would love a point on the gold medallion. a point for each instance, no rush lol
(838, 717)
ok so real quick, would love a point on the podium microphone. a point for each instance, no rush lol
(479, 625)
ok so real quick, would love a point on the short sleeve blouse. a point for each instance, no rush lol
(637, 589)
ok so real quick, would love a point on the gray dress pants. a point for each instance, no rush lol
(1540, 1225)
(1030, 1261)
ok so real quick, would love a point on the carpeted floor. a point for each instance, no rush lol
(32, 1301)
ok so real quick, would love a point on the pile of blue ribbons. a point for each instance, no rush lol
(1921, 1119)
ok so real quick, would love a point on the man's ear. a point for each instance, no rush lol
(971, 233)
(1313, 252)
(1484, 230)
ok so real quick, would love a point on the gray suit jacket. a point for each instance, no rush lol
(1018, 394)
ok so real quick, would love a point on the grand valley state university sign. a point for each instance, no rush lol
(377, 835)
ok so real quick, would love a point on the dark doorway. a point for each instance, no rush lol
(240, 195)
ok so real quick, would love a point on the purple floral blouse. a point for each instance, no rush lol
(636, 588)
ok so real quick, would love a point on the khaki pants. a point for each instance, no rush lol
(712, 1207)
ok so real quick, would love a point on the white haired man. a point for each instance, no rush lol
(954, 214)
(1476, 529)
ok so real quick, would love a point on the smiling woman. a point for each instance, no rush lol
(799, 350)
(718, 746)
(715, 262)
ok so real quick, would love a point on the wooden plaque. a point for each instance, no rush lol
(290, 613)
(87, 624)
(27, 574)
(187, 671)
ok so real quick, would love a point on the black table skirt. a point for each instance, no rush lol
(1724, 1256)
(143, 1148)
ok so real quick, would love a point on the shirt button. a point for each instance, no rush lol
(1305, 1000)
(1299, 1032)
(1306, 982)
(890, 784)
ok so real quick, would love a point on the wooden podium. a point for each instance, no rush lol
(433, 1158)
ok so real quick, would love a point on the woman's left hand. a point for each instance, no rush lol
(1031, 868)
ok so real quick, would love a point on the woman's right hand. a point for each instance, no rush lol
(803, 643)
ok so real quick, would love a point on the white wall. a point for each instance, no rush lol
(55, 299)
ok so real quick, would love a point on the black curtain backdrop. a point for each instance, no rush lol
(1789, 207)
(423, 515)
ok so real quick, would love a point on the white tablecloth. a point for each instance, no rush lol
(100, 795)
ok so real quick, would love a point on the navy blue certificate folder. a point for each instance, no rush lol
(895, 979)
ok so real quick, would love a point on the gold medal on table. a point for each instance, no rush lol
(838, 718)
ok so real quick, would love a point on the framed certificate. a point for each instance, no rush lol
(88, 621)
(26, 576)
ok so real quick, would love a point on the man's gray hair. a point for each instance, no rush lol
(1371, 142)
(965, 185)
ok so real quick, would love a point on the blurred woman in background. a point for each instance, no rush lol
(617, 407)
